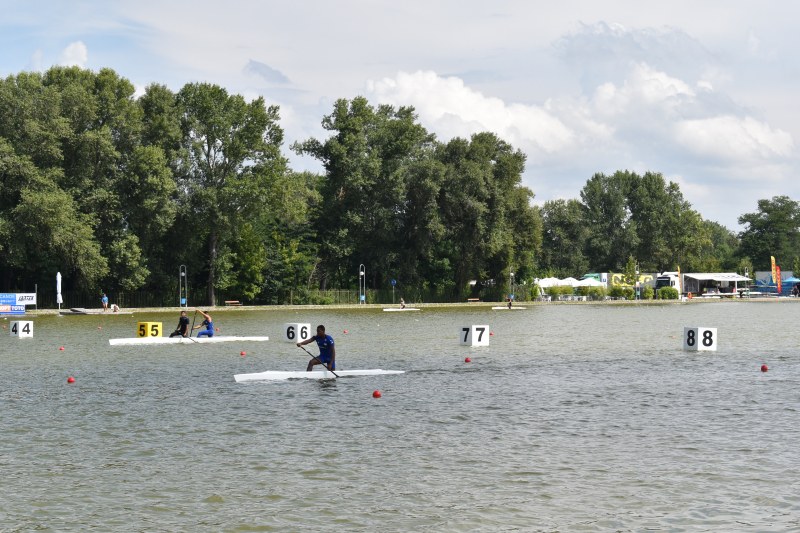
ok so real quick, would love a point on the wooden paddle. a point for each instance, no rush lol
(193, 319)
(318, 360)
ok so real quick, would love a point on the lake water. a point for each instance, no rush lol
(575, 418)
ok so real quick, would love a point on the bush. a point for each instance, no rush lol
(647, 292)
(616, 291)
(668, 293)
(593, 293)
(597, 293)
(628, 292)
(559, 290)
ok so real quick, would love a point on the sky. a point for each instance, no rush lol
(701, 92)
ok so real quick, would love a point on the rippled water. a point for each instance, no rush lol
(575, 418)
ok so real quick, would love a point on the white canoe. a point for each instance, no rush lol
(399, 309)
(505, 307)
(181, 340)
(314, 374)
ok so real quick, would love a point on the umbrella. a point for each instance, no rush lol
(59, 299)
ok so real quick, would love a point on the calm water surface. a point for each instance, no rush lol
(575, 418)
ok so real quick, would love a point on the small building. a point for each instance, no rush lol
(713, 283)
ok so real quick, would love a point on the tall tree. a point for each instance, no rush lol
(233, 159)
(774, 230)
(365, 189)
(491, 227)
(565, 234)
(612, 233)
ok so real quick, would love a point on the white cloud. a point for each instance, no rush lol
(740, 139)
(36, 60)
(451, 109)
(75, 54)
(644, 89)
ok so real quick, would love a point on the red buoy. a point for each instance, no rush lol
(70, 380)
(491, 333)
(764, 368)
(242, 353)
(345, 332)
(61, 348)
(467, 360)
(376, 394)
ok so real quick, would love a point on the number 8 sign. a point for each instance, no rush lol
(700, 339)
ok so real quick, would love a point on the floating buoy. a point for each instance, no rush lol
(99, 327)
(467, 360)
(61, 348)
(345, 332)
(376, 394)
(491, 333)
(242, 353)
(216, 329)
(764, 368)
(70, 380)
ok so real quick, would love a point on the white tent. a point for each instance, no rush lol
(589, 282)
(548, 282)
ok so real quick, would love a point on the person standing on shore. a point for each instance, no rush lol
(104, 301)
(183, 326)
(208, 323)
(327, 350)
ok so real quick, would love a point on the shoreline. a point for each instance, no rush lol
(316, 307)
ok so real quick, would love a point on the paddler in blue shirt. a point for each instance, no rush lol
(327, 350)
(207, 323)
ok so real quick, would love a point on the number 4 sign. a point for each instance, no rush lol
(22, 329)
(700, 339)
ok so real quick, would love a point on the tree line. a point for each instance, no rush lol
(116, 191)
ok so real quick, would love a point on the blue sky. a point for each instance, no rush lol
(703, 92)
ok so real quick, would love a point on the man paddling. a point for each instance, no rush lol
(207, 323)
(327, 350)
(183, 326)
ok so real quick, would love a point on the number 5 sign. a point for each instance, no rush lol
(700, 339)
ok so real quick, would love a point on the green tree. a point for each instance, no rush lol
(612, 234)
(774, 230)
(565, 234)
(483, 208)
(233, 160)
(367, 201)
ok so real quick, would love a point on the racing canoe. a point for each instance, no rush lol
(314, 374)
(181, 340)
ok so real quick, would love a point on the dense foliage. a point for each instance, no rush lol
(116, 192)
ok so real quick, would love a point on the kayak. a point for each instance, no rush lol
(403, 309)
(501, 307)
(181, 340)
(314, 374)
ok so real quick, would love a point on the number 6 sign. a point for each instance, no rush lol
(700, 339)
(293, 332)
